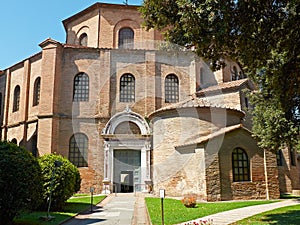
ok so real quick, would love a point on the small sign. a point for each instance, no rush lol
(162, 193)
(92, 189)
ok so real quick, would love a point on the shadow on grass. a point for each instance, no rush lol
(290, 217)
(71, 209)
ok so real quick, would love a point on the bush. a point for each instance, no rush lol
(63, 178)
(20, 181)
(189, 200)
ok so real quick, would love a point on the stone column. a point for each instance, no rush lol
(145, 167)
(107, 178)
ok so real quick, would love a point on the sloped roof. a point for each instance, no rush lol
(194, 102)
(222, 131)
(93, 7)
(226, 86)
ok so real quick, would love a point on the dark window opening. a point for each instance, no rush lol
(171, 89)
(78, 150)
(126, 38)
(240, 165)
(81, 88)
(127, 88)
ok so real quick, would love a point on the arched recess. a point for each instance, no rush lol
(123, 24)
(127, 140)
(81, 31)
(126, 116)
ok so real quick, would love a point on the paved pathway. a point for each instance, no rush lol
(130, 209)
(234, 215)
(115, 210)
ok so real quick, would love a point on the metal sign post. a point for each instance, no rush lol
(92, 191)
(162, 196)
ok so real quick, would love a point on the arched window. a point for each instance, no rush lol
(234, 74)
(83, 39)
(36, 91)
(126, 38)
(81, 88)
(240, 165)
(171, 89)
(127, 88)
(78, 150)
(16, 103)
(14, 141)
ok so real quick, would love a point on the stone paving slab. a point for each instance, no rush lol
(117, 210)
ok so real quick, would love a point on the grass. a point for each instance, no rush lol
(175, 212)
(73, 206)
(289, 215)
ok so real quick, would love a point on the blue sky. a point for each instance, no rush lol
(24, 24)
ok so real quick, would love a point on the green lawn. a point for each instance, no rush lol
(176, 212)
(73, 206)
(289, 215)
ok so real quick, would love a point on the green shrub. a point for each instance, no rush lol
(20, 181)
(63, 179)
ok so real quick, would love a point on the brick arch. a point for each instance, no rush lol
(82, 30)
(123, 24)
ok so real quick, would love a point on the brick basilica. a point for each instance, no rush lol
(134, 113)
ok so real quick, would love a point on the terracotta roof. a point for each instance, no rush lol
(202, 139)
(226, 86)
(194, 102)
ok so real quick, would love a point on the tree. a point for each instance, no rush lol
(20, 186)
(262, 36)
(61, 179)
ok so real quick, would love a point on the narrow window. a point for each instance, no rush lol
(81, 88)
(293, 157)
(16, 103)
(127, 88)
(78, 150)
(36, 91)
(83, 39)
(126, 38)
(234, 74)
(240, 165)
(171, 89)
(279, 158)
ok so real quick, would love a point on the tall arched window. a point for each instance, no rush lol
(127, 88)
(78, 150)
(126, 38)
(171, 89)
(81, 88)
(234, 74)
(240, 165)
(16, 103)
(36, 91)
(83, 39)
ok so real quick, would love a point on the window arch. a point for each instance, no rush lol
(171, 89)
(81, 88)
(14, 141)
(83, 39)
(36, 91)
(127, 88)
(126, 38)
(240, 165)
(78, 150)
(234, 73)
(16, 103)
